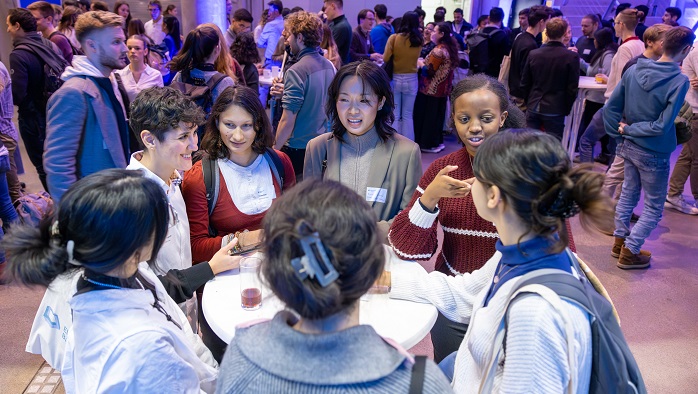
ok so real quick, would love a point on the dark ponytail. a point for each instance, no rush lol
(535, 176)
(104, 218)
(34, 258)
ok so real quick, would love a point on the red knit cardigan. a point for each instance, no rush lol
(226, 217)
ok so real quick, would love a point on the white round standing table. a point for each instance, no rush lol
(405, 322)
(572, 122)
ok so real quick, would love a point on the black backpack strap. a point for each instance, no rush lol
(209, 168)
(277, 167)
(418, 372)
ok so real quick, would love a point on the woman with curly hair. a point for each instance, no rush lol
(244, 51)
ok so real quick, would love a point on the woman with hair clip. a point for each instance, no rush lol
(480, 107)
(127, 335)
(435, 83)
(197, 60)
(404, 47)
(363, 151)
(524, 183)
(321, 347)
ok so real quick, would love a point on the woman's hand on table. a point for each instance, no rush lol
(222, 261)
(601, 77)
(445, 186)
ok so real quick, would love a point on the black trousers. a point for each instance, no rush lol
(429, 116)
(446, 336)
(297, 157)
(33, 132)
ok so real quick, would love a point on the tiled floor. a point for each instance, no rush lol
(46, 380)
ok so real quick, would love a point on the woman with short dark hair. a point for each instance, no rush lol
(363, 151)
(322, 348)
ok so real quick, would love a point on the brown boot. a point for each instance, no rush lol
(628, 260)
(615, 251)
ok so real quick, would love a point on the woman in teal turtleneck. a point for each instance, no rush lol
(363, 151)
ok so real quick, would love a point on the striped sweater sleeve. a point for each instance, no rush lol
(453, 296)
(413, 231)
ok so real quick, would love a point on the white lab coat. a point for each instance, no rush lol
(120, 343)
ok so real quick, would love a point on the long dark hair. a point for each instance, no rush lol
(345, 224)
(118, 5)
(449, 42)
(605, 38)
(409, 26)
(374, 78)
(536, 178)
(173, 30)
(91, 218)
(198, 46)
(247, 99)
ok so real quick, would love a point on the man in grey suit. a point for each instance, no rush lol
(87, 129)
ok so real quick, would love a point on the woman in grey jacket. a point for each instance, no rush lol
(322, 254)
(363, 151)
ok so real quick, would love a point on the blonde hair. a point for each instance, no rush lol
(655, 33)
(95, 20)
(224, 61)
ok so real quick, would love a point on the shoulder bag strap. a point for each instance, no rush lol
(418, 372)
(211, 182)
(276, 166)
(553, 299)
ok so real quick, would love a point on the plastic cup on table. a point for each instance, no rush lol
(250, 283)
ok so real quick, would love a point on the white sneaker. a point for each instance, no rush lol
(679, 204)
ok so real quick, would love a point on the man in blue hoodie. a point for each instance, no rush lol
(650, 96)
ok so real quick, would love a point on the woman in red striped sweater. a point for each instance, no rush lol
(480, 107)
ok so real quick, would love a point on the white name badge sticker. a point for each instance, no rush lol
(376, 194)
(586, 51)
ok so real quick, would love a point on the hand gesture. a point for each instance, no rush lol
(277, 87)
(222, 261)
(376, 57)
(621, 127)
(445, 186)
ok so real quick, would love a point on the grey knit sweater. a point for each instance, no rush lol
(355, 160)
(272, 357)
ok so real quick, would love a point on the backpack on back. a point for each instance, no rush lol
(613, 367)
(76, 51)
(52, 71)
(478, 50)
(199, 91)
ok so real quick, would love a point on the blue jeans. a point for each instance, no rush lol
(553, 124)
(7, 210)
(647, 171)
(448, 365)
(594, 132)
(405, 89)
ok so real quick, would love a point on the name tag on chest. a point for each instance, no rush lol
(586, 51)
(376, 194)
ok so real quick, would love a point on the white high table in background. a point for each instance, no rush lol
(572, 122)
(405, 322)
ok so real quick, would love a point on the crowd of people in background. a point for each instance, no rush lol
(302, 127)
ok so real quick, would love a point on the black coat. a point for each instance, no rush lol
(550, 80)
